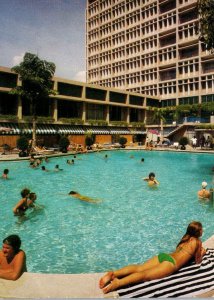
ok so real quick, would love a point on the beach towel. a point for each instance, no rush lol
(191, 280)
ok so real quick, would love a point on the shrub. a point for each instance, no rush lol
(183, 141)
(64, 143)
(122, 141)
(22, 143)
(89, 140)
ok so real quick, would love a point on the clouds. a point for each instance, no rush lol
(52, 29)
(80, 76)
(17, 59)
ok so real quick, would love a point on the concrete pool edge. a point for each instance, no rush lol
(58, 286)
(15, 157)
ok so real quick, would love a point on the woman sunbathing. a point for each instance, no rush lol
(159, 266)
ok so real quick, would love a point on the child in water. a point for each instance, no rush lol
(151, 179)
(5, 173)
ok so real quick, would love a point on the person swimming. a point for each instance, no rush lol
(31, 200)
(5, 174)
(203, 193)
(57, 169)
(83, 198)
(22, 205)
(152, 181)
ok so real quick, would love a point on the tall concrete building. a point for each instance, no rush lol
(149, 47)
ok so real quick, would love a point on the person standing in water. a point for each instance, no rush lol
(152, 181)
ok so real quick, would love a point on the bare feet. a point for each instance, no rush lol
(113, 285)
(106, 279)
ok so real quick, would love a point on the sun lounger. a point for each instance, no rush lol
(189, 281)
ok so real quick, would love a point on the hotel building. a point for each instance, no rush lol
(76, 109)
(149, 47)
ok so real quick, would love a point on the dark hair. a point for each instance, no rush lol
(142, 159)
(14, 241)
(57, 166)
(43, 168)
(6, 171)
(25, 192)
(72, 193)
(151, 174)
(32, 196)
(193, 230)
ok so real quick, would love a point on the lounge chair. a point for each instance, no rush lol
(42, 151)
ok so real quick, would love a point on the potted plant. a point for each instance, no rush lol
(122, 141)
(89, 141)
(22, 144)
(183, 142)
(63, 144)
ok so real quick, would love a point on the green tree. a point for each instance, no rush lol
(205, 28)
(159, 116)
(36, 77)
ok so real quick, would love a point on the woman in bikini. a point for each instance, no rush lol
(159, 266)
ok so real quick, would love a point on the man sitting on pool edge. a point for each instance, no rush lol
(12, 258)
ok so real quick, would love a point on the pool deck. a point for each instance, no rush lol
(61, 286)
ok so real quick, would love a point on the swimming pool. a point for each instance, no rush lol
(132, 223)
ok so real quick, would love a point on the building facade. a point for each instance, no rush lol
(149, 47)
(78, 108)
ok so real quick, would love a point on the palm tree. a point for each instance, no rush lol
(36, 77)
(159, 116)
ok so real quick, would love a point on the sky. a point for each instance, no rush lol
(52, 29)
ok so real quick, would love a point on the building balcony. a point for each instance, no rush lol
(167, 62)
(188, 75)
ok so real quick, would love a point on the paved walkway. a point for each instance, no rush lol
(56, 286)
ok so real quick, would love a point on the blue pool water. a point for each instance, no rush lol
(132, 223)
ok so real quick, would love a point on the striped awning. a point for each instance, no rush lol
(46, 129)
(26, 128)
(135, 131)
(14, 129)
(68, 129)
(117, 130)
(97, 130)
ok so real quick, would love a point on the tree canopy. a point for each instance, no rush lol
(36, 83)
(36, 76)
(206, 23)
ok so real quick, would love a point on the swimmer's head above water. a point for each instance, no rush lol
(151, 175)
(72, 193)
